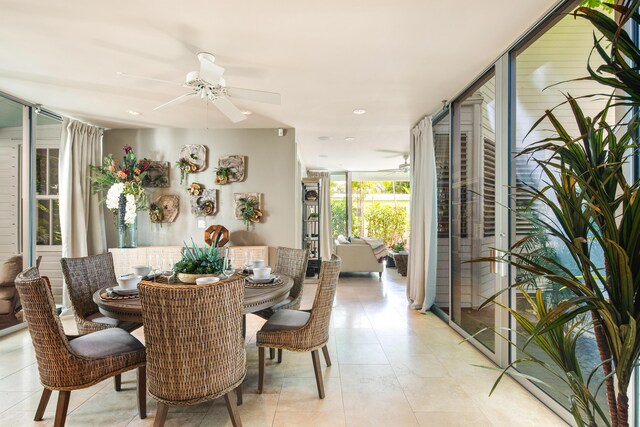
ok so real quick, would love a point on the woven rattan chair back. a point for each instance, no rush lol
(55, 357)
(193, 335)
(293, 263)
(83, 277)
(318, 325)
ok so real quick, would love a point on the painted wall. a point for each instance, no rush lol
(271, 163)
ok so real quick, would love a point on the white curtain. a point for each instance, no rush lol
(326, 240)
(421, 272)
(81, 217)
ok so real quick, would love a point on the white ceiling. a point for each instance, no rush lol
(396, 59)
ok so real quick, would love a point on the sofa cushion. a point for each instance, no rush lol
(342, 240)
(7, 292)
(5, 306)
(104, 343)
(285, 320)
(10, 270)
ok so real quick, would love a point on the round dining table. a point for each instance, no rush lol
(255, 299)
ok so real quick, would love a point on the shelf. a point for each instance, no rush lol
(310, 220)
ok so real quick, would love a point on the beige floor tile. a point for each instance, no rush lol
(361, 354)
(309, 419)
(435, 394)
(378, 409)
(301, 394)
(257, 410)
(369, 378)
(460, 418)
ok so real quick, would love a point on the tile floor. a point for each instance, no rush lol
(391, 367)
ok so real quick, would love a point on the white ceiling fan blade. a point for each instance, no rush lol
(209, 71)
(178, 100)
(390, 170)
(254, 95)
(229, 110)
(152, 79)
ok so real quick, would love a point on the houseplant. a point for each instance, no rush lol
(199, 262)
(250, 210)
(222, 175)
(125, 195)
(593, 208)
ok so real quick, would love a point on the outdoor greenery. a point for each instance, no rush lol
(387, 223)
(200, 260)
(592, 208)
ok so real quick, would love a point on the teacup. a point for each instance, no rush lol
(259, 263)
(141, 270)
(129, 281)
(261, 272)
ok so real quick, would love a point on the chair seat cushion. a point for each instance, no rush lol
(285, 320)
(105, 343)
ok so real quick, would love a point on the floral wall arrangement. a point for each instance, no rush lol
(248, 208)
(157, 175)
(205, 204)
(230, 169)
(164, 209)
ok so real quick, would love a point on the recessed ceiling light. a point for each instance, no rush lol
(324, 156)
(134, 113)
(324, 138)
(359, 111)
(350, 138)
(247, 112)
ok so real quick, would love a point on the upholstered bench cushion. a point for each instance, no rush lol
(104, 343)
(284, 320)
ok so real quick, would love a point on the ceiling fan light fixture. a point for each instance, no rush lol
(359, 111)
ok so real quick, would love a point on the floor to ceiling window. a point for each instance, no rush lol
(473, 191)
(442, 141)
(338, 196)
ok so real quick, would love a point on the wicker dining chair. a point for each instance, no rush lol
(292, 263)
(195, 347)
(67, 363)
(83, 277)
(303, 330)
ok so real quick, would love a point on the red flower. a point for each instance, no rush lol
(127, 149)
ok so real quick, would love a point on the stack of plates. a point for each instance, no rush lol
(269, 279)
(120, 291)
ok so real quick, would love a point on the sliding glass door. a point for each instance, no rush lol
(473, 213)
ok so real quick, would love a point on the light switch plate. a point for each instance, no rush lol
(202, 223)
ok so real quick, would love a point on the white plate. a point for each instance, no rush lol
(268, 279)
(118, 290)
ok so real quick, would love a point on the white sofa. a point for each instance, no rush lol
(358, 257)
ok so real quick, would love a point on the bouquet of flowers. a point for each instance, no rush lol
(123, 185)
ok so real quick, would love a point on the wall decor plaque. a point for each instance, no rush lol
(170, 205)
(238, 203)
(157, 175)
(195, 154)
(236, 166)
(205, 204)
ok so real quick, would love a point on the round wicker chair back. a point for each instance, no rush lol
(193, 335)
(318, 324)
(293, 263)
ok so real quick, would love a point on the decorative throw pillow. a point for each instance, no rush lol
(10, 270)
(342, 240)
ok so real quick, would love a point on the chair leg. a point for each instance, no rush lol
(379, 275)
(141, 390)
(316, 369)
(230, 399)
(325, 352)
(42, 406)
(279, 355)
(117, 382)
(161, 415)
(61, 410)
(272, 353)
(260, 369)
(239, 394)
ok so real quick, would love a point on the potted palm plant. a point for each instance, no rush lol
(199, 262)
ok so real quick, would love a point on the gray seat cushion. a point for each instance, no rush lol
(107, 342)
(285, 320)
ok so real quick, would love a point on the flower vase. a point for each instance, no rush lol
(127, 233)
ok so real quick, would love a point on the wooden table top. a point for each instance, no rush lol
(255, 299)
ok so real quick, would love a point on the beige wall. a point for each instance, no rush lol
(270, 170)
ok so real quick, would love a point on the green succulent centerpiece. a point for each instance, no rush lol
(199, 262)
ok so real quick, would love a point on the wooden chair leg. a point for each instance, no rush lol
(239, 394)
(141, 391)
(230, 399)
(316, 369)
(117, 382)
(42, 406)
(272, 353)
(260, 369)
(61, 409)
(325, 352)
(279, 355)
(161, 415)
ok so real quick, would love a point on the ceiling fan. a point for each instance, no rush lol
(402, 167)
(207, 83)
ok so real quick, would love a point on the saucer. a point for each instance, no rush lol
(267, 279)
(119, 291)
